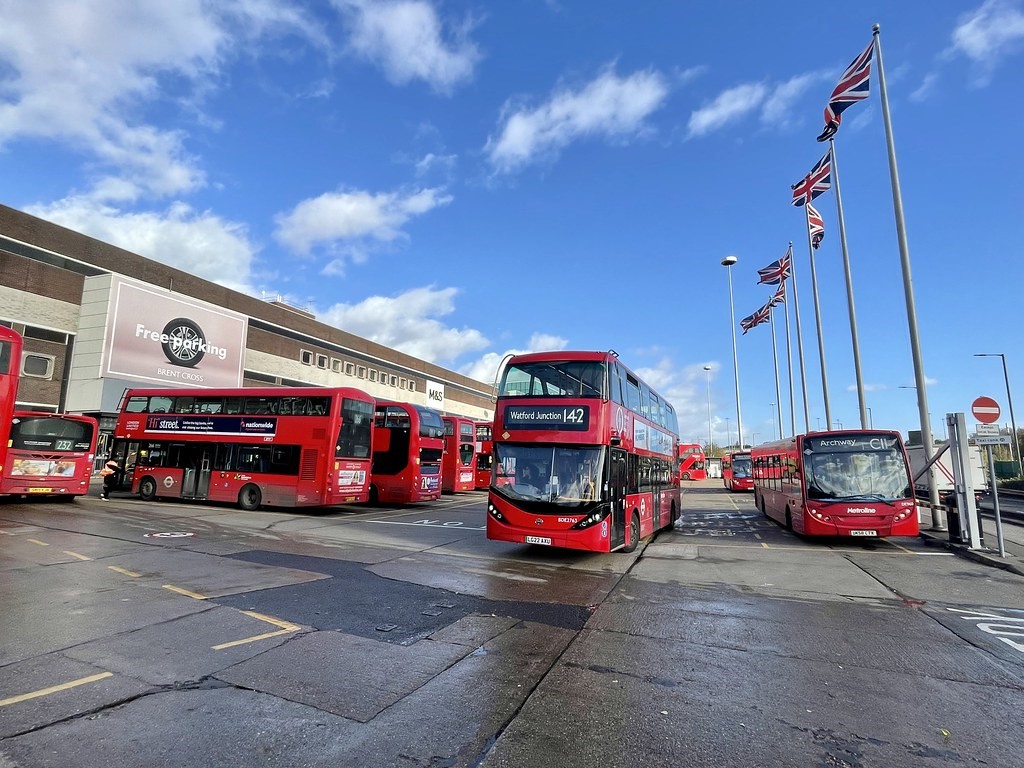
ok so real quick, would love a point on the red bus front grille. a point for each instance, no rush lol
(307, 468)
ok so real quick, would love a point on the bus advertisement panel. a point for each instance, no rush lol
(458, 467)
(408, 446)
(692, 462)
(845, 483)
(279, 446)
(484, 455)
(10, 371)
(49, 454)
(584, 454)
(736, 471)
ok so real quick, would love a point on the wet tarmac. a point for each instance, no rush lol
(186, 635)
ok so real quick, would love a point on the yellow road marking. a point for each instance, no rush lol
(900, 546)
(286, 628)
(233, 643)
(271, 620)
(184, 592)
(765, 545)
(125, 571)
(55, 689)
(75, 554)
(40, 543)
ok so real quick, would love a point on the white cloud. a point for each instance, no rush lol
(779, 108)
(727, 107)
(610, 106)
(988, 34)
(196, 242)
(407, 40)
(77, 75)
(408, 322)
(926, 88)
(353, 215)
(486, 369)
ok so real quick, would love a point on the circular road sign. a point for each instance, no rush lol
(985, 410)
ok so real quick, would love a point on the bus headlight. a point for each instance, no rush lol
(593, 518)
(493, 512)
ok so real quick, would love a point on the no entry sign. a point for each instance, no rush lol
(985, 410)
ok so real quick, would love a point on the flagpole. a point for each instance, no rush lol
(938, 513)
(849, 290)
(799, 341)
(789, 363)
(817, 320)
(775, 354)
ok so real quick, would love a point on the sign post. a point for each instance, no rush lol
(986, 410)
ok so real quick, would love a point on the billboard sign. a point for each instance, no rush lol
(158, 337)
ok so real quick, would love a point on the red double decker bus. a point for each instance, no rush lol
(408, 444)
(458, 467)
(49, 454)
(280, 446)
(10, 371)
(692, 462)
(584, 454)
(845, 483)
(484, 455)
(736, 471)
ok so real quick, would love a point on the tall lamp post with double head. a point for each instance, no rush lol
(711, 438)
(727, 262)
(1009, 401)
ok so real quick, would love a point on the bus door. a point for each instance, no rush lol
(197, 460)
(617, 496)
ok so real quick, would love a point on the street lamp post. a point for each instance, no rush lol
(727, 262)
(728, 433)
(1009, 402)
(711, 438)
(871, 419)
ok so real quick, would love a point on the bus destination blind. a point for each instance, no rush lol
(551, 417)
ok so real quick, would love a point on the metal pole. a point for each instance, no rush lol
(817, 321)
(789, 369)
(938, 515)
(711, 438)
(1014, 443)
(849, 289)
(799, 342)
(995, 501)
(775, 355)
(728, 261)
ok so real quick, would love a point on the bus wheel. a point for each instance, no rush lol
(634, 533)
(789, 519)
(686, 475)
(147, 489)
(249, 497)
(374, 495)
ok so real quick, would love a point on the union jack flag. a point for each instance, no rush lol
(814, 183)
(779, 297)
(853, 86)
(816, 226)
(776, 272)
(760, 316)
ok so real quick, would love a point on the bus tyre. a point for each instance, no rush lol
(250, 497)
(686, 475)
(374, 496)
(634, 533)
(789, 519)
(147, 489)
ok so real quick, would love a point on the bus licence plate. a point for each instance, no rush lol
(538, 540)
(863, 533)
(40, 490)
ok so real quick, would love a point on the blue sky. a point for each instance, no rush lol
(459, 180)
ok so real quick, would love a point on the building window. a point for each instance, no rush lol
(361, 371)
(383, 377)
(394, 381)
(306, 357)
(321, 361)
(373, 374)
(401, 383)
(412, 385)
(37, 366)
(336, 365)
(350, 369)
(31, 332)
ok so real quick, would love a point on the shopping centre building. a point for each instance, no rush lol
(97, 320)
